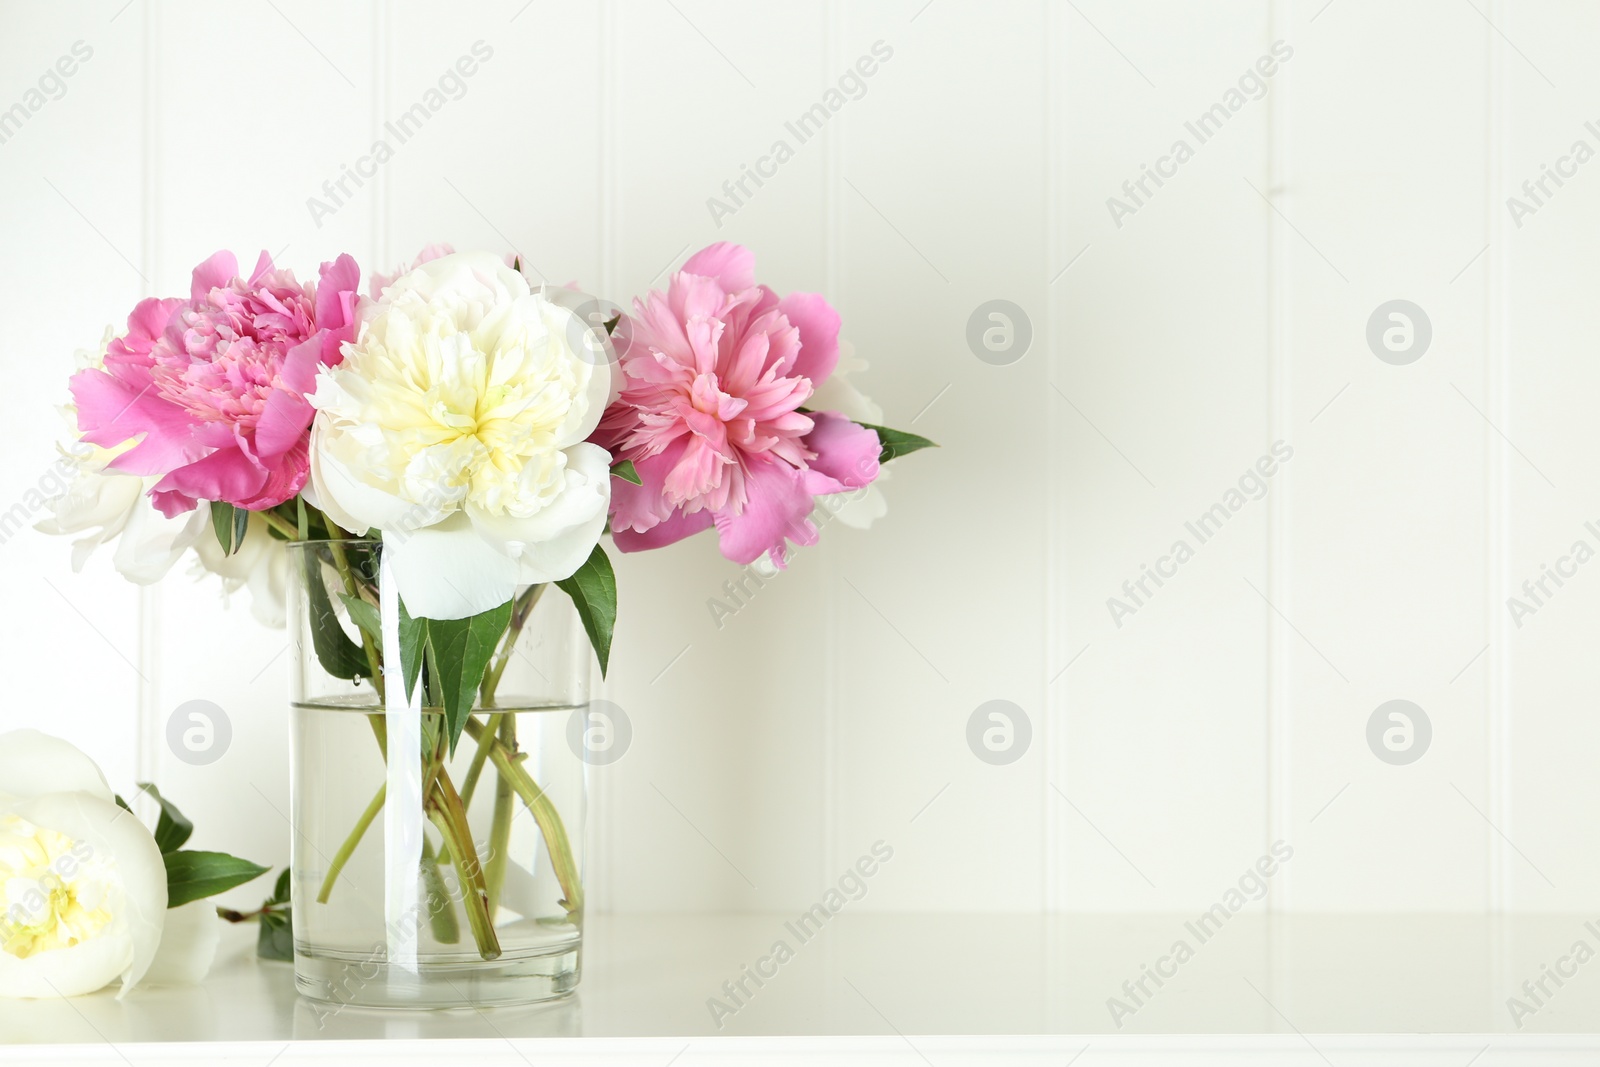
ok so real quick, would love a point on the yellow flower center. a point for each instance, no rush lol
(55, 890)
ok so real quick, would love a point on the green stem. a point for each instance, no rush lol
(519, 618)
(500, 827)
(469, 785)
(509, 765)
(441, 911)
(282, 525)
(444, 809)
(341, 857)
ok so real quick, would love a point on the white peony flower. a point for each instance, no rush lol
(107, 504)
(261, 564)
(857, 508)
(456, 424)
(82, 884)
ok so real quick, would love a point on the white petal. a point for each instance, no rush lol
(151, 542)
(448, 571)
(837, 393)
(554, 543)
(66, 972)
(856, 508)
(138, 917)
(188, 944)
(269, 583)
(566, 326)
(34, 763)
(560, 557)
(586, 491)
(352, 502)
(95, 502)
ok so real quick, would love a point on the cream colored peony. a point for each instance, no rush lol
(82, 884)
(456, 424)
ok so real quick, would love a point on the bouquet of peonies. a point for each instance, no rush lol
(493, 428)
(490, 431)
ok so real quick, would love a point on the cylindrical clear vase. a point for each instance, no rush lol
(499, 888)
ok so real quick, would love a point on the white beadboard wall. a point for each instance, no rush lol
(1170, 352)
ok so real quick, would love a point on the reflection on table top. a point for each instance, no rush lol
(680, 977)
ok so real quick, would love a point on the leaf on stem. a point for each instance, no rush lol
(413, 647)
(462, 649)
(339, 656)
(230, 524)
(363, 615)
(593, 590)
(195, 875)
(275, 940)
(280, 891)
(172, 827)
(625, 470)
(893, 444)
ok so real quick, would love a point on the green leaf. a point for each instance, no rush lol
(172, 828)
(275, 941)
(593, 590)
(896, 443)
(461, 651)
(413, 647)
(626, 472)
(363, 615)
(339, 656)
(280, 891)
(195, 875)
(123, 804)
(230, 524)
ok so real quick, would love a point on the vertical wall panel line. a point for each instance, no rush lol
(382, 58)
(832, 168)
(602, 833)
(1054, 564)
(1279, 755)
(1279, 823)
(147, 703)
(1500, 893)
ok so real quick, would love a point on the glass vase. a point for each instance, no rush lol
(499, 889)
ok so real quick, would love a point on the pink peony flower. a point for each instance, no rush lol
(714, 374)
(216, 385)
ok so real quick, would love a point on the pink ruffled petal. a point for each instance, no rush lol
(846, 454)
(818, 324)
(637, 508)
(263, 265)
(226, 474)
(110, 412)
(672, 530)
(148, 321)
(732, 265)
(283, 423)
(776, 508)
(214, 273)
(172, 503)
(337, 288)
(299, 370)
(285, 477)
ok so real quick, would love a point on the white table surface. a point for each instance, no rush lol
(936, 989)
